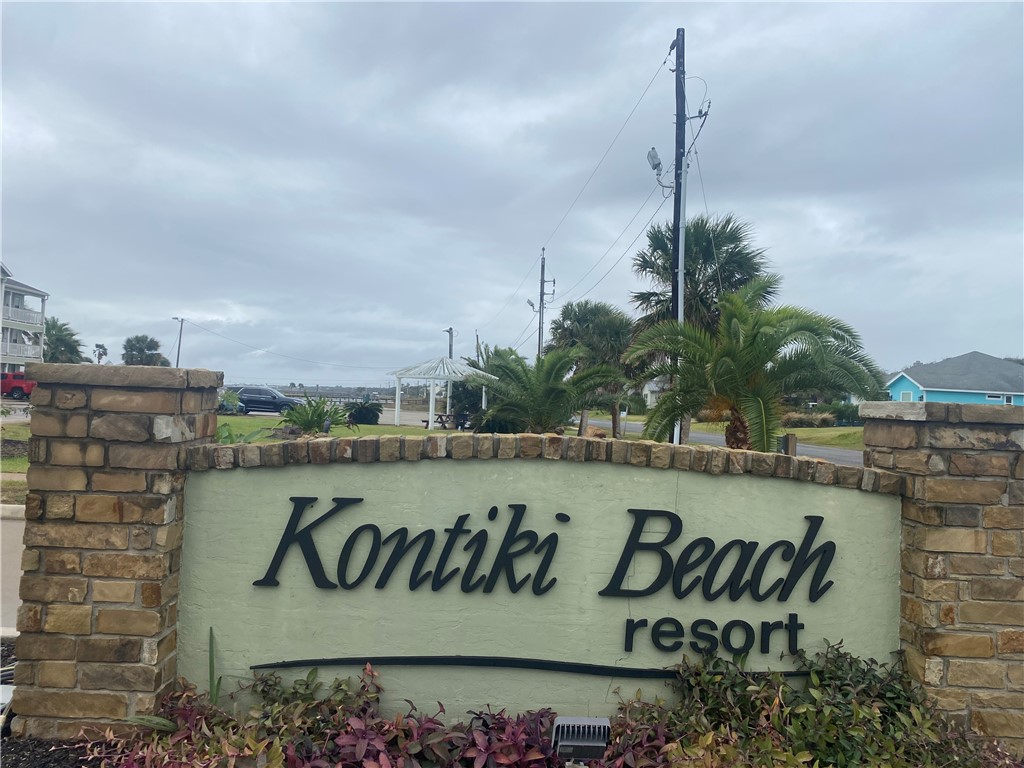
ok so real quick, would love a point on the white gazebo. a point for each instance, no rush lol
(442, 369)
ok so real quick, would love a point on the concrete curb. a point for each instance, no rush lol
(12, 511)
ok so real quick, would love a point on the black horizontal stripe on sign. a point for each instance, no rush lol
(491, 662)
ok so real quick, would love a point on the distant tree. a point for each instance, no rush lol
(756, 356)
(544, 397)
(720, 257)
(601, 333)
(60, 343)
(143, 350)
(100, 351)
(292, 385)
(1018, 360)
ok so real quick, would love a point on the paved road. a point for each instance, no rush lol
(843, 456)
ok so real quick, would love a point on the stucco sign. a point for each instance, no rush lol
(524, 584)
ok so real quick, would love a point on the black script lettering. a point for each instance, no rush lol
(402, 546)
(734, 583)
(793, 626)
(748, 636)
(304, 538)
(803, 559)
(440, 577)
(477, 543)
(633, 546)
(346, 555)
(697, 630)
(547, 545)
(632, 625)
(767, 627)
(687, 563)
(788, 551)
(515, 544)
(667, 629)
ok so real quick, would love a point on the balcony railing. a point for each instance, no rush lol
(23, 316)
(12, 349)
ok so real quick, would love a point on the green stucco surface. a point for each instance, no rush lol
(235, 519)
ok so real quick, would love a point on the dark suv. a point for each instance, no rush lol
(264, 399)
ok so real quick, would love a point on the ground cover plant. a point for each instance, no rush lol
(846, 712)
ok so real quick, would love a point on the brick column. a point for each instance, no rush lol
(103, 536)
(962, 591)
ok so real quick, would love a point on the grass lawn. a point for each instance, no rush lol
(832, 437)
(13, 491)
(17, 464)
(243, 425)
(15, 431)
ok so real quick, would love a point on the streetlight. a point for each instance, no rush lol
(181, 324)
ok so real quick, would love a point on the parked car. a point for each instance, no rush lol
(16, 385)
(265, 399)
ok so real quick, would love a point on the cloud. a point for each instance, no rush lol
(338, 182)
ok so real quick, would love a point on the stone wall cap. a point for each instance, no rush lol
(634, 454)
(903, 411)
(122, 375)
(951, 413)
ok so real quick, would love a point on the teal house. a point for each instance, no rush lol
(971, 378)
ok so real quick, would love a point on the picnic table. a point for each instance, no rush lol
(448, 420)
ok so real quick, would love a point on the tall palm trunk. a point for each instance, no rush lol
(616, 419)
(737, 432)
(584, 422)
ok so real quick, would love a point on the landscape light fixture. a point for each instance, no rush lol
(181, 324)
(581, 738)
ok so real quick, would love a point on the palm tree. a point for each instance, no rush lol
(719, 258)
(143, 350)
(755, 357)
(100, 350)
(601, 333)
(60, 343)
(542, 398)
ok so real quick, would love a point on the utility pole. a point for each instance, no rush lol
(181, 324)
(451, 338)
(679, 203)
(540, 305)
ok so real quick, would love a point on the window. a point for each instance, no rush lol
(1009, 400)
(906, 397)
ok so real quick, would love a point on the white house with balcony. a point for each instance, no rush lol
(24, 313)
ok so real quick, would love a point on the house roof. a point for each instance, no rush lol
(974, 372)
(17, 286)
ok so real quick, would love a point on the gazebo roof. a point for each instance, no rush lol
(442, 369)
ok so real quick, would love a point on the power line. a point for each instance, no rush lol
(519, 335)
(644, 229)
(619, 133)
(582, 190)
(565, 297)
(291, 357)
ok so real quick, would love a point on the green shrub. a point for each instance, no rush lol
(227, 436)
(848, 413)
(363, 413)
(796, 419)
(849, 712)
(312, 415)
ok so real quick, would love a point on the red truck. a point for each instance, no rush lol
(16, 385)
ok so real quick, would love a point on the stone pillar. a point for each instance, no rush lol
(103, 536)
(962, 584)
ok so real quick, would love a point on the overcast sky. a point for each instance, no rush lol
(338, 183)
